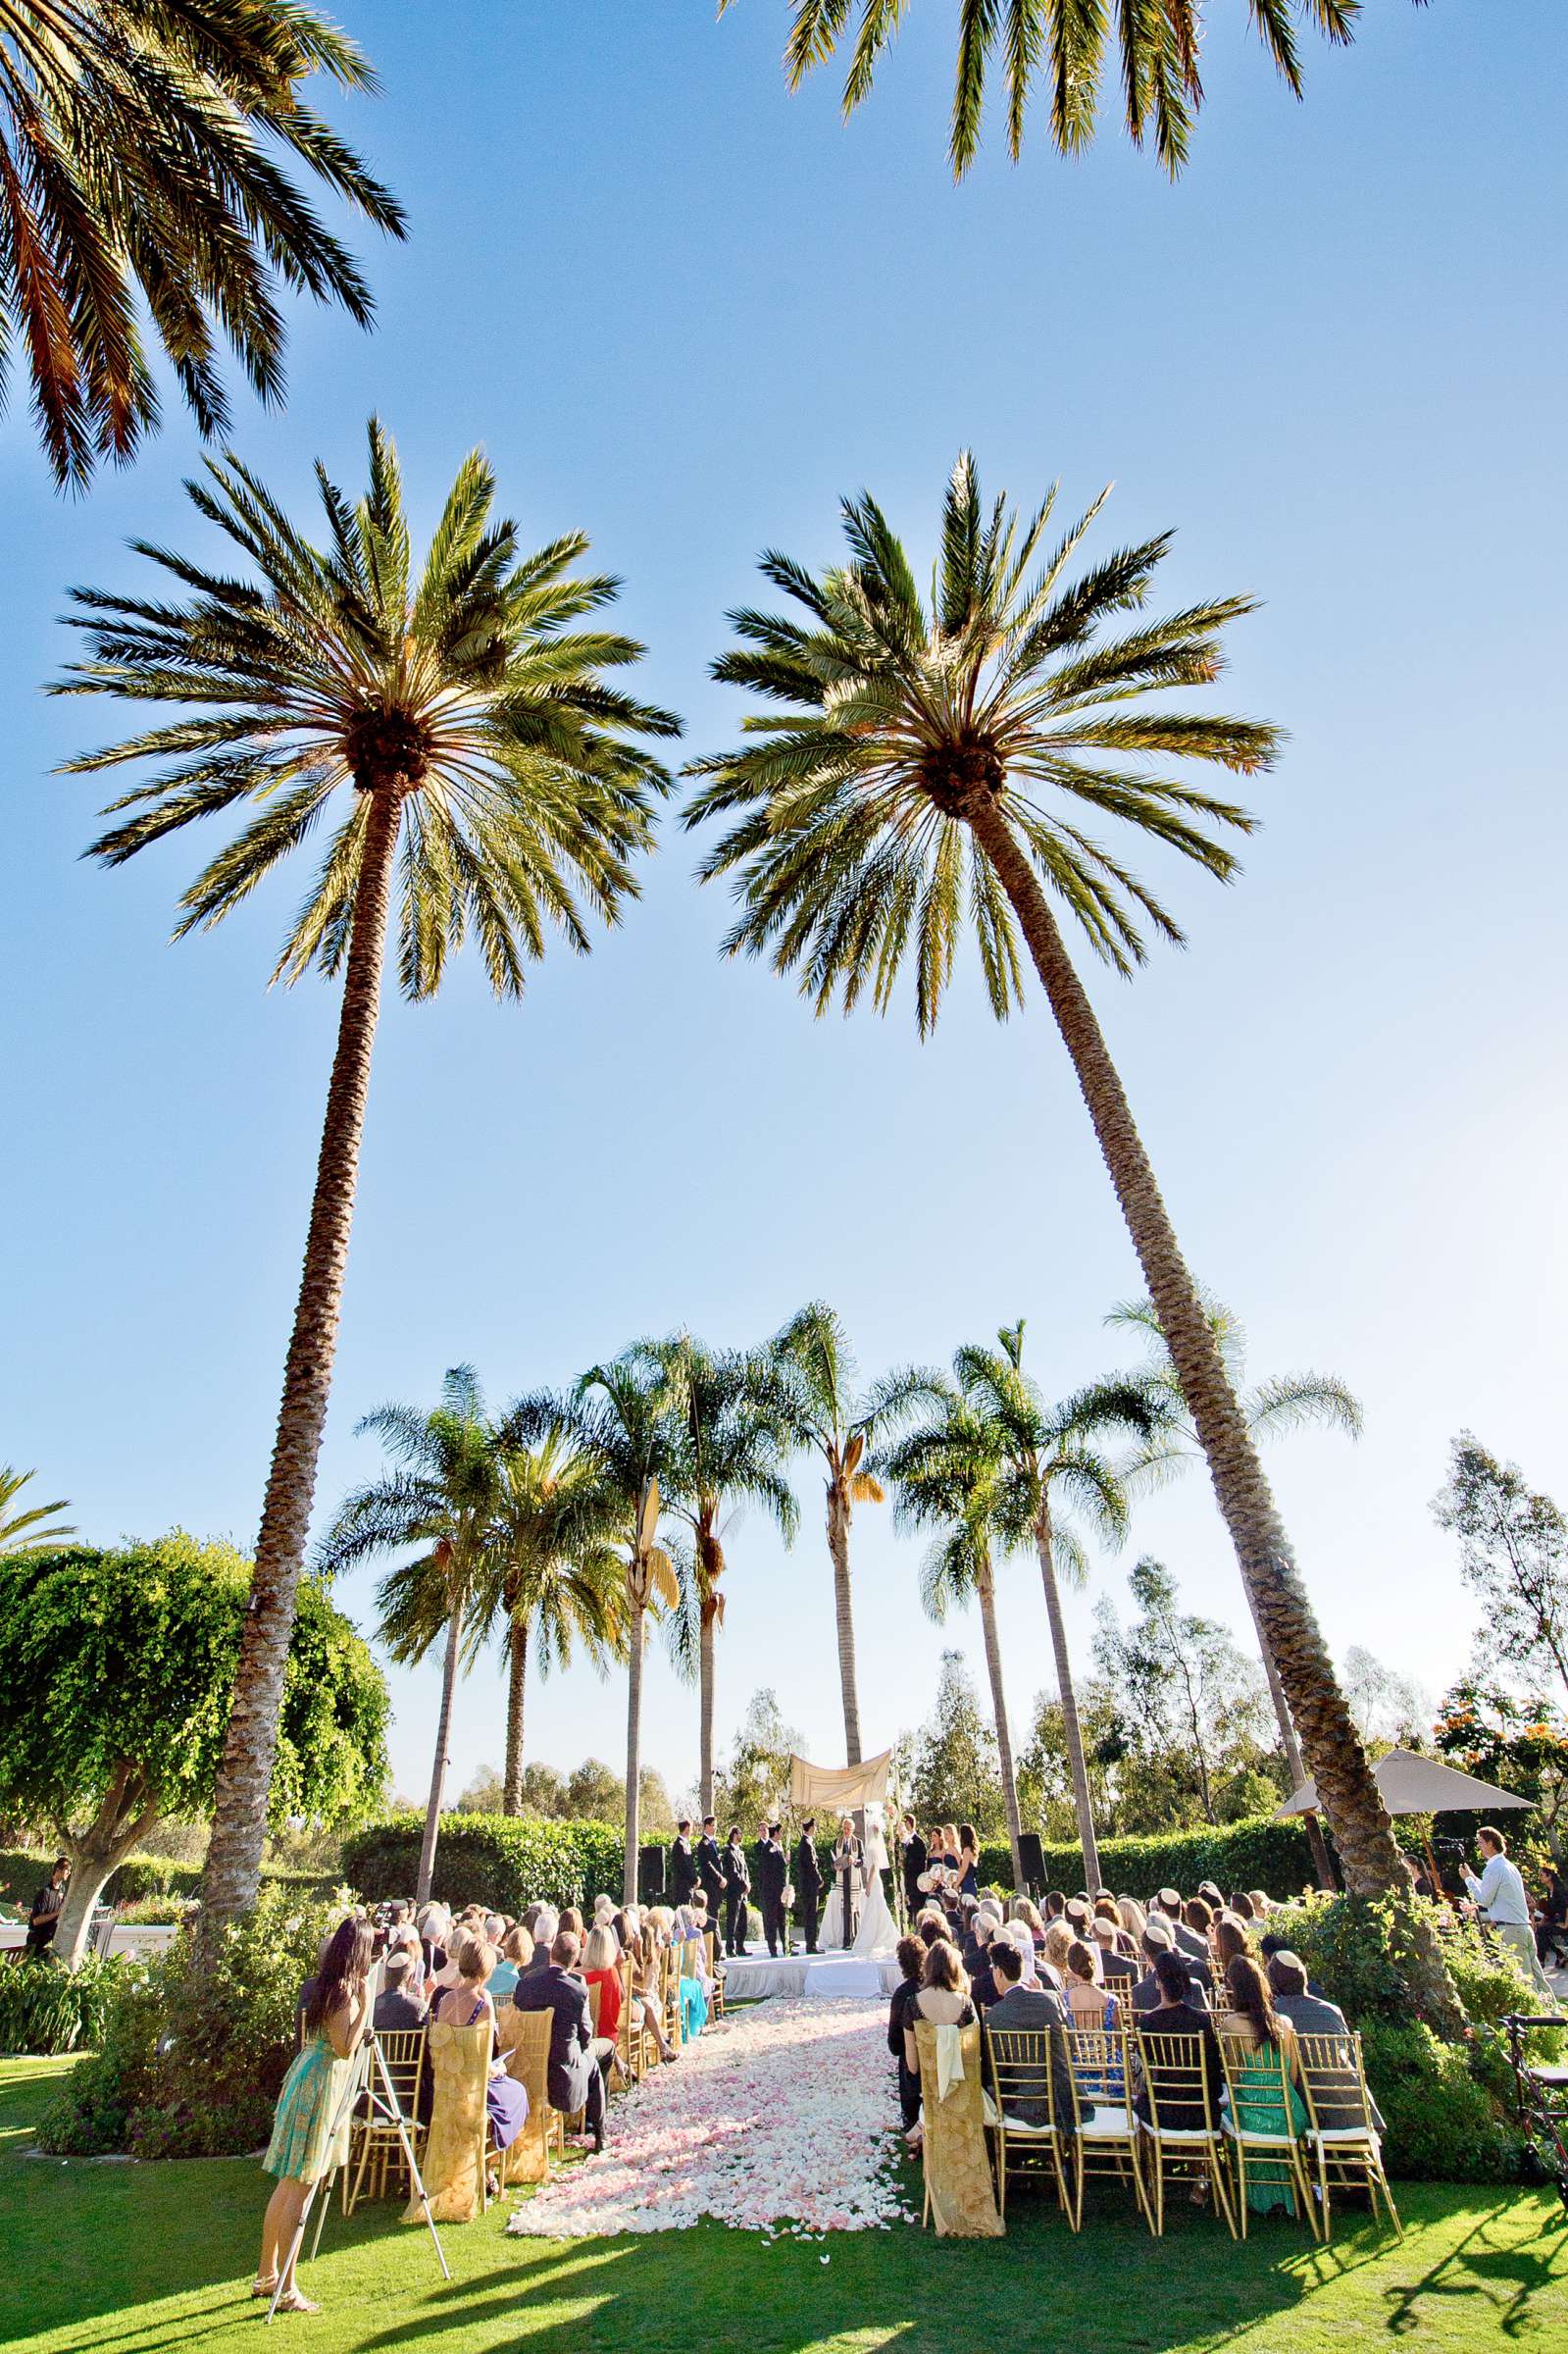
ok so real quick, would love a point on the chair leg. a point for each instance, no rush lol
(1221, 2192)
(1240, 2187)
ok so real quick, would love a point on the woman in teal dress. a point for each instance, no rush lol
(303, 2146)
(1262, 2095)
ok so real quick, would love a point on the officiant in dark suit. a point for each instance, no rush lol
(912, 1858)
(808, 1881)
(847, 1860)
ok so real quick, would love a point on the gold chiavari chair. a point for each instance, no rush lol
(1108, 2139)
(1017, 2068)
(1344, 2147)
(523, 2036)
(710, 1946)
(1267, 2148)
(670, 1997)
(374, 2144)
(1181, 2079)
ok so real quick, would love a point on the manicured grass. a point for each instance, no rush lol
(157, 2259)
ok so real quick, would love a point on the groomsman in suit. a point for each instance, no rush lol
(773, 1880)
(736, 1888)
(710, 1872)
(683, 1865)
(912, 1856)
(808, 1881)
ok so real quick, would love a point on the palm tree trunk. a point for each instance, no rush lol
(1291, 1748)
(443, 1729)
(843, 1608)
(244, 1774)
(517, 1672)
(705, 1668)
(1004, 1740)
(633, 1757)
(1071, 1731)
(1291, 1634)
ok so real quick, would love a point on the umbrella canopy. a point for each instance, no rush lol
(1415, 1785)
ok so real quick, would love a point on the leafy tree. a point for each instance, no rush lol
(466, 730)
(31, 1530)
(754, 1785)
(1184, 1692)
(1063, 45)
(116, 1670)
(729, 1415)
(922, 763)
(620, 1417)
(142, 182)
(1273, 1410)
(594, 1792)
(441, 1504)
(552, 1578)
(1513, 1552)
(957, 1776)
(1519, 1744)
(1052, 1465)
(543, 1790)
(1389, 1709)
(842, 1425)
(950, 1474)
(484, 1795)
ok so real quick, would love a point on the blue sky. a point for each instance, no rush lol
(687, 312)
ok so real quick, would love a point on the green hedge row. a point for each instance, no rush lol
(498, 1860)
(1257, 1853)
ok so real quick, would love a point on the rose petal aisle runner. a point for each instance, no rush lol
(779, 2118)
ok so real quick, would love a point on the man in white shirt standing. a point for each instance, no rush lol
(1498, 1892)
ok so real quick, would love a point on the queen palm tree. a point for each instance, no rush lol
(1063, 43)
(730, 1414)
(921, 759)
(841, 1424)
(621, 1416)
(1051, 1466)
(555, 1582)
(1290, 1402)
(455, 716)
(144, 148)
(443, 1499)
(34, 1530)
(951, 1475)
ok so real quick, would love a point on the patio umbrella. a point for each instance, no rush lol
(1411, 1785)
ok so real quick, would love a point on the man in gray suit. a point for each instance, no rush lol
(1315, 2015)
(1032, 2009)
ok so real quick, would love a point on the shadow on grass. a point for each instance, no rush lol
(1498, 2276)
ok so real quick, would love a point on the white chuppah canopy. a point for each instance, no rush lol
(837, 1789)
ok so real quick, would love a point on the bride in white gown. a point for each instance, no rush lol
(876, 1932)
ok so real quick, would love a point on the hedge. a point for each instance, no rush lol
(501, 1860)
(1257, 1853)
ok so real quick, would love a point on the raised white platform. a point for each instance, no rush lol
(750, 1978)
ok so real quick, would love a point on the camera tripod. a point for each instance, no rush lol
(367, 2080)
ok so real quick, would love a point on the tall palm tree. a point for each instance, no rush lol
(730, 1414)
(441, 1499)
(457, 718)
(918, 758)
(620, 1417)
(1062, 43)
(33, 1530)
(144, 148)
(1051, 1466)
(841, 1424)
(555, 1582)
(1290, 1402)
(951, 1475)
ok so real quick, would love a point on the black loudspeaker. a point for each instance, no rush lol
(1033, 1860)
(651, 1865)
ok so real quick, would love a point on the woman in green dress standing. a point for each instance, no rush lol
(303, 2147)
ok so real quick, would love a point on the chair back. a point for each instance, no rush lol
(1256, 2074)
(1181, 2079)
(708, 1953)
(1097, 2060)
(1335, 2082)
(624, 2030)
(523, 2036)
(403, 2051)
(1019, 2061)
(596, 1998)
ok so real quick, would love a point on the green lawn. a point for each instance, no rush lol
(156, 2260)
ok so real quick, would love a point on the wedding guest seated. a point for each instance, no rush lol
(1033, 2010)
(1179, 2012)
(1186, 1940)
(1055, 1906)
(1272, 1943)
(1117, 1970)
(1027, 1912)
(397, 2005)
(911, 1963)
(517, 1952)
(543, 1925)
(1312, 2013)
(1087, 1999)
(602, 1968)
(1132, 1917)
(577, 2059)
(572, 1922)
(974, 1957)
(1242, 1906)
(1229, 1939)
(930, 1926)
(465, 2005)
(944, 1997)
(435, 1924)
(647, 2010)
(1262, 1903)
(1080, 1917)
(1058, 1944)
(1255, 2095)
(1155, 1941)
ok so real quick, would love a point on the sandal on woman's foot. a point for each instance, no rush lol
(294, 2300)
(262, 2285)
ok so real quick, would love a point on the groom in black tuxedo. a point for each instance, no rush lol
(771, 1880)
(912, 1856)
(808, 1881)
(710, 1872)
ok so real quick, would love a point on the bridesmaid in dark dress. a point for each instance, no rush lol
(968, 1861)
